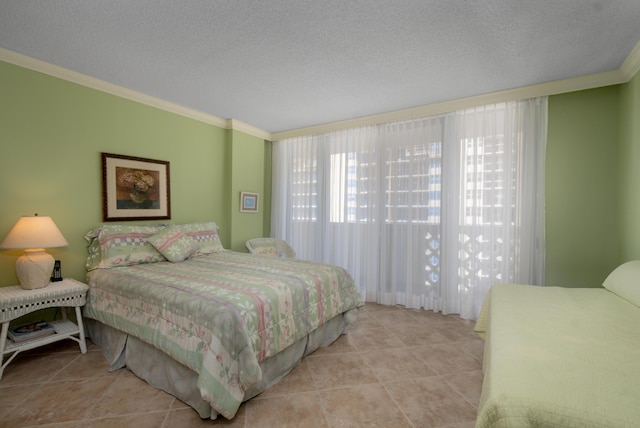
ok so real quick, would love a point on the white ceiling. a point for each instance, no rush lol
(286, 64)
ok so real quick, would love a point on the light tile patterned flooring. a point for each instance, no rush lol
(396, 368)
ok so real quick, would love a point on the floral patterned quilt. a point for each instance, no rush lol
(221, 314)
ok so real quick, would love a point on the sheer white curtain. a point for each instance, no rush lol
(426, 213)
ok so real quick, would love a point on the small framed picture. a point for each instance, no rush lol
(134, 188)
(248, 202)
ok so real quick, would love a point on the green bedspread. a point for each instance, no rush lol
(559, 357)
(221, 314)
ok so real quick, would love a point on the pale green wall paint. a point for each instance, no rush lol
(629, 225)
(51, 135)
(266, 220)
(247, 175)
(581, 187)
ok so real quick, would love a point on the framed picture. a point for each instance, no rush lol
(248, 202)
(134, 188)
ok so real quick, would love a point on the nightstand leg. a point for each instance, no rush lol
(3, 343)
(83, 341)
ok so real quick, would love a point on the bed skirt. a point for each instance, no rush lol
(162, 372)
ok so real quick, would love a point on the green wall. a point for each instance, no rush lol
(629, 224)
(52, 133)
(247, 172)
(593, 183)
(581, 187)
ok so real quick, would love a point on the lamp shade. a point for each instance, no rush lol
(34, 232)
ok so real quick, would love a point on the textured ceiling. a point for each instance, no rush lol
(281, 65)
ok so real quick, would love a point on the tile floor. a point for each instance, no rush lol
(397, 368)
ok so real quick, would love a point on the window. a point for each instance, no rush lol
(412, 184)
(426, 212)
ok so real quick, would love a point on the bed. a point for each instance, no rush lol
(210, 326)
(562, 357)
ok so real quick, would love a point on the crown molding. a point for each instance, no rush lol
(236, 125)
(549, 88)
(110, 88)
(631, 65)
(627, 70)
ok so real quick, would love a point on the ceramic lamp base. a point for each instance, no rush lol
(34, 268)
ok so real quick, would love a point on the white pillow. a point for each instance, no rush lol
(625, 281)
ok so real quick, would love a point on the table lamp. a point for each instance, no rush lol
(33, 234)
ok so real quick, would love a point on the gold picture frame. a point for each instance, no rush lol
(134, 188)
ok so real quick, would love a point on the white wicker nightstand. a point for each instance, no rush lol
(16, 302)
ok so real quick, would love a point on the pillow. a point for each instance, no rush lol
(264, 247)
(121, 245)
(93, 259)
(625, 281)
(266, 251)
(173, 244)
(205, 236)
